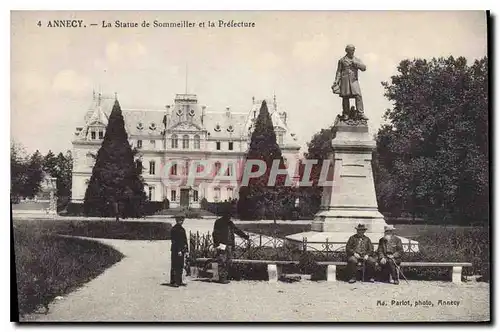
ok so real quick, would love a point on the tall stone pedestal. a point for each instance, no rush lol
(351, 200)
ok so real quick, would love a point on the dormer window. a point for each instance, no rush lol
(230, 129)
(217, 127)
(191, 112)
(179, 112)
(139, 126)
(152, 126)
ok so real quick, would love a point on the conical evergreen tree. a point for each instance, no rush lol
(259, 200)
(116, 187)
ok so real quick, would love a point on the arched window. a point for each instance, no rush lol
(175, 142)
(185, 142)
(197, 142)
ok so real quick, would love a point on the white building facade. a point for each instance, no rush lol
(177, 143)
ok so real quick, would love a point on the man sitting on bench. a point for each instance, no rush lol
(390, 249)
(359, 248)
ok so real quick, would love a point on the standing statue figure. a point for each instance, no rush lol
(346, 81)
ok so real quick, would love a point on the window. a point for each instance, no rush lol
(217, 145)
(173, 170)
(280, 138)
(101, 134)
(197, 142)
(216, 194)
(175, 141)
(230, 147)
(195, 195)
(199, 168)
(152, 143)
(185, 142)
(151, 193)
(139, 144)
(229, 170)
(92, 134)
(217, 168)
(229, 193)
(152, 167)
(138, 164)
(173, 195)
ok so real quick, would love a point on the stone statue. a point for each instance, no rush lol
(346, 84)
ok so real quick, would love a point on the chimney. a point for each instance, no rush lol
(228, 112)
(283, 117)
(203, 113)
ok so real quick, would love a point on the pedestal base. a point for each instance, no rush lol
(344, 220)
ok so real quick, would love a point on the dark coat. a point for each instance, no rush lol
(346, 77)
(224, 230)
(360, 244)
(393, 246)
(179, 239)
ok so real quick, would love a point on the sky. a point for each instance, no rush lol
(290, 54)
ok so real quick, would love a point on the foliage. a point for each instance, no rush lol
(116, 187)
(48, 266)
(259, 200)
(26, 173)
(319, 148)
(432, 157)
(60, 167)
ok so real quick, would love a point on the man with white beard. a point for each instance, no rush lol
(390, 250)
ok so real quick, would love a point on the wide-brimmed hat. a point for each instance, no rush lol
(389, 228)
(361, 227)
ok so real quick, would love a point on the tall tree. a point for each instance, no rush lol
(64, 178)
(319, 149)
(34, 175)
(116, 187)
(18, 172)
(432, 157)
(50, 165)
(258, 199)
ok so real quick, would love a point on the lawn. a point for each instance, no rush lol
(50, 265)
(106, 229)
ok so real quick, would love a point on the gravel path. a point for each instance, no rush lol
(133, 290)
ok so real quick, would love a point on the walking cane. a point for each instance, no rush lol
(364, 265)
(399, 270)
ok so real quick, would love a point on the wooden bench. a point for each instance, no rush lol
(274, 267)
(456, 271)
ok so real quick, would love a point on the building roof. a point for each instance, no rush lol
(225, 124)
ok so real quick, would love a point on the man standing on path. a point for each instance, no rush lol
(223, 236)
(390, 250)
(178, 250)
(359, 248)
